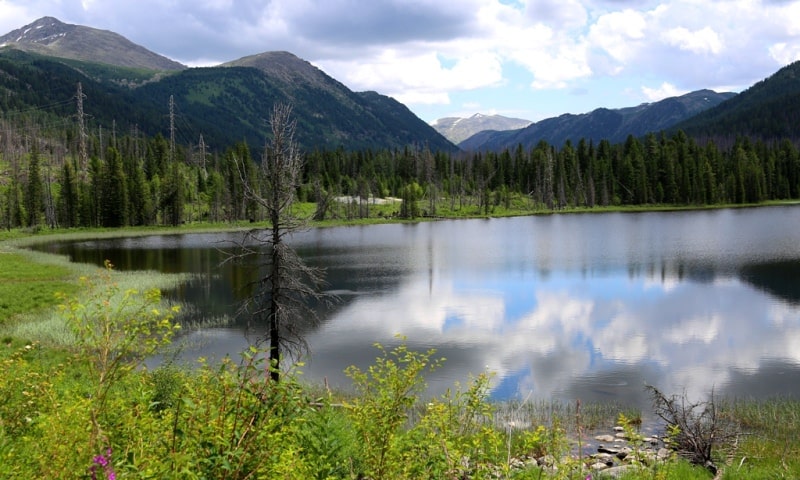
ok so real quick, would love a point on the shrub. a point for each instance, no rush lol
(328, 441)
(385, 394)
(455, 436)
(234, 422)
(115, 332)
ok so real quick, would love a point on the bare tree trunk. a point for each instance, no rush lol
(284, 292)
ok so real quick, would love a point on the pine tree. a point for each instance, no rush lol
(140, 203)
(34, 200)
(173, 195)
(68, 202)
(113, 191)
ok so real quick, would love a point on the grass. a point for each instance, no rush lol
(769, 447)
(677, 470)
(593, 416)
(49, 328)
(29, 282)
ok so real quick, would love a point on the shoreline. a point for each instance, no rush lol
(23, 238)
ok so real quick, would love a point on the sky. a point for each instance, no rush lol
(530, 59)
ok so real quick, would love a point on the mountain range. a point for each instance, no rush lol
(601, 124)
(127, 86)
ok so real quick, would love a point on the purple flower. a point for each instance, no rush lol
(104, 462)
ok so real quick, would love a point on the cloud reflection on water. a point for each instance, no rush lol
(575, 336)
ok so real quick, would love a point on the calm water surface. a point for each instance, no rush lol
(580, 306)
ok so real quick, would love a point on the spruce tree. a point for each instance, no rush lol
(113, 191)
(34, 192)
(68, 202)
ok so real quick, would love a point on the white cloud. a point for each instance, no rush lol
(619, 34)
(418, 78)
(666, 90)
(557, 70)
(14, 16)
(700, 41)
(784, 53)
(785, 18)
(563, 13)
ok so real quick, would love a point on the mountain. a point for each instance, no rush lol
(458, 129)
(51, 37)
(362, 119)
(40, 66)
(231, 103)
(285, 67)
(610, 124)
(770, 109)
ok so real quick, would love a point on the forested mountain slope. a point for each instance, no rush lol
(768, 110)
(32, 84)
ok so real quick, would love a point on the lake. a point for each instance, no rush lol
(563, 306)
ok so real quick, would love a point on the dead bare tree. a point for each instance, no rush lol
(287, 287)
(695, 429)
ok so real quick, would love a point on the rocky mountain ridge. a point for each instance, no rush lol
(52, 37)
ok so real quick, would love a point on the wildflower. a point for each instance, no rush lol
(104, 462)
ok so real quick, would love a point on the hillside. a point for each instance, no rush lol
(457, 129)
(614, 125)
(48, 86)
(337, 114)
(768, 110)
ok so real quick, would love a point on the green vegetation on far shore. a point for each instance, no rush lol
(379, 214)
